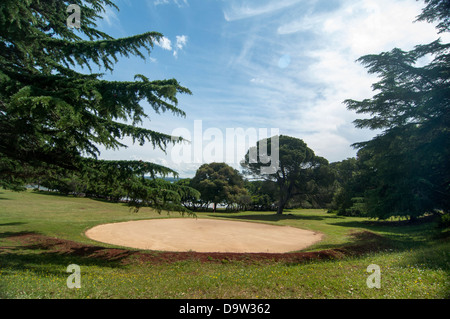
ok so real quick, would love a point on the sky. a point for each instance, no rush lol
(265, 66)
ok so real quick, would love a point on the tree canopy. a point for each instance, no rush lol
(407, 164)
(53, 117)
(218, 183)
(300, 172)
(51, 113)
(348, 199)
(436, 11)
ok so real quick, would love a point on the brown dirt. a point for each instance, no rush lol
(126, 256)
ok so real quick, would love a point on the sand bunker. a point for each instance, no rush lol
(204, 235)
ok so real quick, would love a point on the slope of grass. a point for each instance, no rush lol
(63, 216)
(413, 259)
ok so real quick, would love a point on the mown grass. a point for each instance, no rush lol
(414, 263)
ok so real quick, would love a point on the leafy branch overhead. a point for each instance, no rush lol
(54, 116)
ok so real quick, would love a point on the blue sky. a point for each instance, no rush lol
(285, 64)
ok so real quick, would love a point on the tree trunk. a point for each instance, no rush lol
(285, 195)
(281, 204)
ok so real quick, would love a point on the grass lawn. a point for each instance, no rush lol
(414, 259)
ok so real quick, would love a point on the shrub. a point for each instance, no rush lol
(444, 221)
(358, 209)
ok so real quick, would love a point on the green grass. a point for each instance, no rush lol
(414, 263)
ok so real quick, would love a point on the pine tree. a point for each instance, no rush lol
(407, 164)
(53, 117)
(53, 114)
(301, 174)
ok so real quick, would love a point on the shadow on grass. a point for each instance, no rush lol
(2, 193)
(36, 252)
(270, 217)
(408, 233)
(50, 193)
(13, 224)
(423, 242)
(3, 198)
(71, 196)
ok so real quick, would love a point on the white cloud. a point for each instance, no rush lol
(179, 3)
(109, 16)
(291, 64)
(244, 11)
(356, 29)
(326, 143)
(307, 23)
(181, 41)
(257, 81)
(304, 93)
(366, 26)
(159, 2)
(164, 43)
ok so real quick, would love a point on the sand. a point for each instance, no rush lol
(204, 235)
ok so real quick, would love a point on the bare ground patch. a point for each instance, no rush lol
(367, 242)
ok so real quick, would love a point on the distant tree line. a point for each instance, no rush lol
(302, 180)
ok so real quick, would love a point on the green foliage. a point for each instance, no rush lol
(135, 182)
(436, 10)
(53, 114)
(264, 194)
(357, 208)
(52, 117)
(219, 183)
(444, 221)
(160, 194)
(66, 184)
(406, 167)
(13, 175)
(350, 186)
(301, 175)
